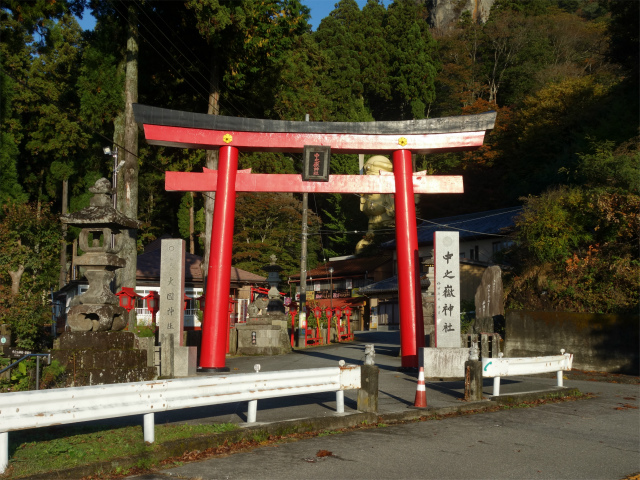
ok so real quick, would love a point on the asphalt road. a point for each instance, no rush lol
(597, 438)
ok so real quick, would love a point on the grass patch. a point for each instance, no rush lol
(63, 447)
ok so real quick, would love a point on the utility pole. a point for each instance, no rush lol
(302, 322)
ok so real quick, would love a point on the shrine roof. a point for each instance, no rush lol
(350, 267)
(148, 268)
(389, 285)
(149, 115)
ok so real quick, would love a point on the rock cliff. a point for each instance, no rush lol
(443, 14)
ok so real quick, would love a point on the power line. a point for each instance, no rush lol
(67, 112)
(197, 89)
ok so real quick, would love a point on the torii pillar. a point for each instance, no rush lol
(230, 134)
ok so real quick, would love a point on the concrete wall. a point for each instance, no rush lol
(607, 343)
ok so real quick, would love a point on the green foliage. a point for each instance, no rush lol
(100, 83)
(29, 247)
(267, 162)
(186, 205)
(412, 68)
(269, 224)
(624, 47)
(146, 330)
(549, 227)
(40, 451)
(52, 375)
(380, 63)
(608, 166)
(29, 244)
(577, 251)
(20, 376)
(341, 217)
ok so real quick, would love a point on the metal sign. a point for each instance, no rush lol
(316, 163)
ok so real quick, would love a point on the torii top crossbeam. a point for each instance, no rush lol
(231, 134)
(196, 130)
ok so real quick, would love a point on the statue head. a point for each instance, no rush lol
(377, 163)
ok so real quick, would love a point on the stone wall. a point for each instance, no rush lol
(99, 358)
(607, 343)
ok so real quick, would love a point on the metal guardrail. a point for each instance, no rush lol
(37, 355)
(512, 366)
(34, 409)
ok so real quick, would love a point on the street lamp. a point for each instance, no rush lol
(116, 166)
(331, 287)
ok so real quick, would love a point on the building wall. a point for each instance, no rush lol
(598, 342)
(477, 250)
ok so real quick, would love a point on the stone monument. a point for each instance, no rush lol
(489, 301)
(448, 358)
(176, 359)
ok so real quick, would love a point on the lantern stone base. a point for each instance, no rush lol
(97, 318)
(99, 358)
(264, 336)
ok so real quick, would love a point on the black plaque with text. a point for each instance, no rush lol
(316, 163)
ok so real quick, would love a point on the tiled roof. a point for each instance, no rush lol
(346, 268)
(389, 285)
(149, 269)
(471, 226)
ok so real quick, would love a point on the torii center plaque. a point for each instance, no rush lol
(231, 134)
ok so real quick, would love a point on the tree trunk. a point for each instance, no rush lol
(63, 250)
(128, 188)
(15, 280)
(212, 163)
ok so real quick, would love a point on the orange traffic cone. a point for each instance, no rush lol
(421, 392)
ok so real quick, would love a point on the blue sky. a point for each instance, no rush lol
(319, 10)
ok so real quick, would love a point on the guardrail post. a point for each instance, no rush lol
(368, 392)
(473, 380)
(252, 408)
(252, 411)
(496, 386)
(4, 451)
(149, 427)
(559, 373)
(340, 401)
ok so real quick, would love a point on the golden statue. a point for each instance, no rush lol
(379, 207)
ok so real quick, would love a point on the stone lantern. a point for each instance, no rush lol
(276, 305)
(100, 240)
(266, 334)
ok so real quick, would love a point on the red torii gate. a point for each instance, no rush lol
(230, 134)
